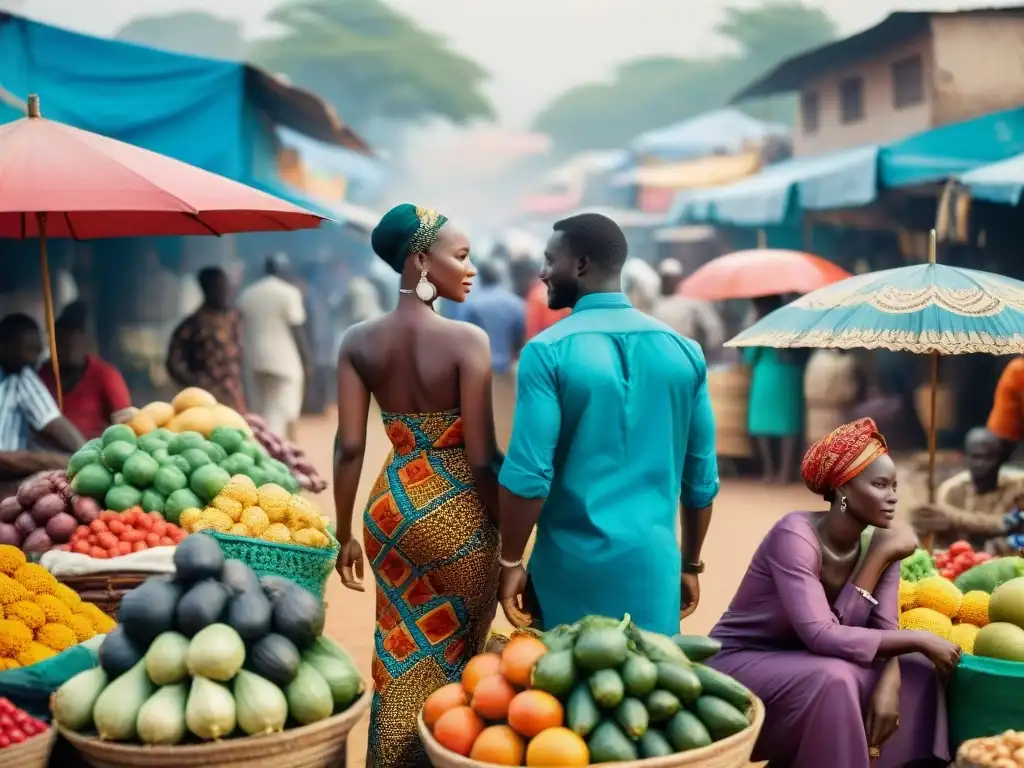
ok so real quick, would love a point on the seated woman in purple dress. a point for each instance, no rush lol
(813, 629)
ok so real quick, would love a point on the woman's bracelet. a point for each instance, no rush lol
(509, 563)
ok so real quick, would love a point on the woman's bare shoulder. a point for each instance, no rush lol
(470, 338)
(357, 336)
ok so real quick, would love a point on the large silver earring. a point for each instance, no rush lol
(842, 504)
(426, 291)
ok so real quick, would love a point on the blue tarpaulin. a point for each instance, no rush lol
(724, 130)
(853, 177)
(365, 173)
(1001, 182)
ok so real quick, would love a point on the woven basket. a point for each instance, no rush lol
(306, 566)
(319, 745)
(105, 590)
(34, 753)
(733, 752)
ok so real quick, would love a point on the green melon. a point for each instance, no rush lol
(1007, 603)
(1000, 641)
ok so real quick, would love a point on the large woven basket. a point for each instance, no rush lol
(306, 566)
(105, 590)
(733, 752)
(320, 745)
(34, 753)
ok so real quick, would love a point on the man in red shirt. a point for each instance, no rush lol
(95, 392)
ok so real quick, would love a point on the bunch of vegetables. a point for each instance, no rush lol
(212, 653)
(16, 725)
(192, 410)
(958, 558)
(989, 575)
(113, 534)
(1003, 751)
(599, 691)
(269, 512)
(287, 452)
(919, 565)
(41, 616)
(43, 514)
(936, 605)
(168, 472)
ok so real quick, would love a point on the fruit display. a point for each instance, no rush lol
(43, 514)
(599, 691)
(269, 513)
(114, 534)
(192, 410)
(1003, 751)
(991, 574)
(169, 472)
(211, 653)
(288, 453)
(16, 725)
(1003, 637)
(936, 605)
(919, 565)
(41, 616)
(960, 557)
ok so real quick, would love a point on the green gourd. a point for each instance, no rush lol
(117, 708)
(261, 706)
(165, 659)
(216, 652)
(342, 678)
(309, 696)
(73, 704)
(210, 709)
(162, 718)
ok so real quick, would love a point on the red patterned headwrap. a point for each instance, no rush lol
(841, 455)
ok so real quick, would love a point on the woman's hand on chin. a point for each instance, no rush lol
(894, 543)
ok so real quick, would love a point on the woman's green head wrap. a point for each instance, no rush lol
(405, 229)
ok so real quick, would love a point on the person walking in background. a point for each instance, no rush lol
(692, 318)
(613, 441)
(429, 524)
(1006, 420)
(315, 286)
(206, 348)
(95, 392)
(277, 355)
(539, 316)
(502, 316)
(776, 413)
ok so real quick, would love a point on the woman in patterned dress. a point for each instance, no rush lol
(429, 528)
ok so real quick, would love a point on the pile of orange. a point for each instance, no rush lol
(493, 716)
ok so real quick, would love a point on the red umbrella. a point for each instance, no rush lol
(60, 181)
(761, 272)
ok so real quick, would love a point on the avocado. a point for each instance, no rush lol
(554, 672)
(679, 680)
(632, 717)
(608, 744)
(581, 712)
(606, 688)
(601, 648)
(714, 683)
(697, 647)
(662, 705)
(654, 744)
(721, 718)
(639, 675)
(685, 731)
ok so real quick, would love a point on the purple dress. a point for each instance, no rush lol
(813, 664)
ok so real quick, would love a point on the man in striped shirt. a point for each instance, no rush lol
(29, 417)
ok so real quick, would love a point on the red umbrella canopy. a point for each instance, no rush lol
(94, 186)
(761, 272)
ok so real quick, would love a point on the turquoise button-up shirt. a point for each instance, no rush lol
(614, 428)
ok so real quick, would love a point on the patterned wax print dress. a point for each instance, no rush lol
(434, 555)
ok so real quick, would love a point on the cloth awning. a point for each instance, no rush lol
(1001, 182)
(703, 172)
(723, 130)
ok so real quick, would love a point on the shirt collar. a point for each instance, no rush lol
(611, 300)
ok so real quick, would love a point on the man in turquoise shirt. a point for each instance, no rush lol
(613, 437)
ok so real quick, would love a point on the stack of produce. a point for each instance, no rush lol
(288, 453)
(114, 534)
(990, 575)
(597, 692)
(936, 605)
(269, 513)
(17, 726)
(1003, 751)
(959, 558)
(169, 472)
(214, 652)
(1003, 637)
(192, 410)
(41, 515)
(919, 565)
(41, 616)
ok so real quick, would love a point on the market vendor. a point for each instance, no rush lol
(1006, 420)
(34, 436)
(95, 392)
(973, 504)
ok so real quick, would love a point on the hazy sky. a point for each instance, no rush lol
(534, 49)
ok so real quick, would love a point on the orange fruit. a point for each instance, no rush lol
(518, 658)
(557, 747)
(534, 711)
(498, 745)
(492, 696)
(457, 729)
(479, 667)
(440, 701)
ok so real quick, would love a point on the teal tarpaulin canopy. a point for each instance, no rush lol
(852, 178)
(1001, 182)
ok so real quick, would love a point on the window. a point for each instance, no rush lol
(907, 82)
(810, 108)
(851, 99)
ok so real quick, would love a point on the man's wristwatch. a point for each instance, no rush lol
(695, 568)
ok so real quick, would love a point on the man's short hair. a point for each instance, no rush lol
(597, 237)
(14, 325)
(208, 277)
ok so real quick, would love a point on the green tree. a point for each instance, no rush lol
(652, 93)
(374, 64)
(193, 32)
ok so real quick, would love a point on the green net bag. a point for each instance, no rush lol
(306, 566)
(986, 697)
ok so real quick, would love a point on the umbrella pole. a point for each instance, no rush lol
(48, 302)
(931, 427)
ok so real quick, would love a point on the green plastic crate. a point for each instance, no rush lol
(306, 566)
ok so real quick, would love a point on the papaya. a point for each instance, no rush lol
(606, 688)
(581, 712)
(662, 705)
(654, 744)
(309, 696)
(601, 648)
(639, 675)
(697, 647)
(685, 731)
(117, 708)
(554, 672)
(679, 680)
(720, 717)
(162, 718)
(714, 683)
(632, 717)
(74, 701)
(608, 744)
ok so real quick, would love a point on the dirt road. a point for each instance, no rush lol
(743, 513)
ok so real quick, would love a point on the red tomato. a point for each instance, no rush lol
(99, 554)
(157, 517)
(133, 535)
(128, 517)
(16, 735)
(144, 522)
(107, 540)
(941, 558)
(82, 530)
(6, 722)
(159, 528)
(124, 547)
(947, 573)
(166, 541)
(107, 515)
(81, 547)
(117, 527)
(98, 526)
(960, 547)
(152, 540)
(139, 546)
(91, 538)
